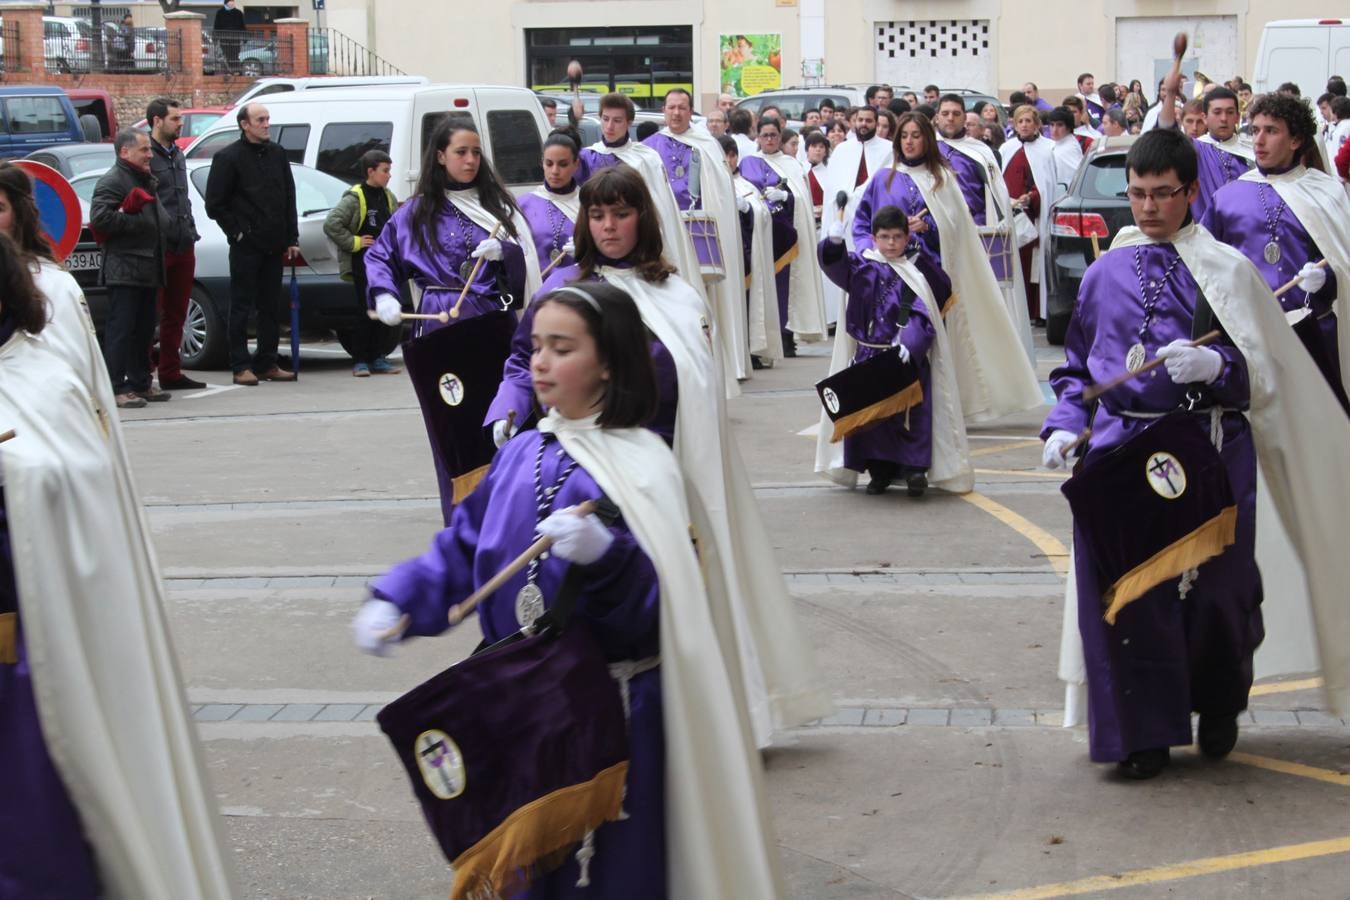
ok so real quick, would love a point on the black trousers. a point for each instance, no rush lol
(366, 328)
(255, 283)
(127, 335)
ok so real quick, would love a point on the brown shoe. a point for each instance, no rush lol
(246, 378)
(154, 395)
(277, 373)
(129, 401)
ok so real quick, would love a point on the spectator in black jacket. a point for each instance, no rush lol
(129, 221)
(251, 195)
(228, 30)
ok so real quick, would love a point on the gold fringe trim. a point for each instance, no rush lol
(882, 409)
(786, 259)
(9, 639)
(528, 842)
(464, 484)
(1204, 543)
(947, 307)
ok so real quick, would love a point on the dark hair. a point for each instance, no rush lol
(646, 130)
(548, 103)
(1244, 86)
(1160, 151)
(27, 228)
(242, 115)
(1107, 93)
(1296, 116)
(1017, 98)
(927, 110)
(739, 120)
(621, 184)
(871, 93)
(619, 101)
(1084, 77)
(1115, 114)
(866, 109)
(1289, 88)
(373, 159)
(19, 297)
(890, 117)
(1219, 93)
(564, 137)
(769, 121)
(433, 183)
(932, 159)
(126, 137)
(622, 346)
(1326, 98)
(899, 106)
(931, 88)
(814, 138)
(1061, 115)
(729, 145)
(687, 95)
(890, 217)
(836, 124)
(1073, 102)
(158, 108)
(952, 98)
(827, 102)
(1340, 108)
(1336, 85)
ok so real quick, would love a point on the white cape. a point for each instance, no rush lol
(1041, 159)
(105, 676)
(468, 203)
(717, 830)
(569, 204)
(843, 172)
(783, 688)
(806, 295)
(950, 469)
(764, 330)
(1238, 145)
(992, 369)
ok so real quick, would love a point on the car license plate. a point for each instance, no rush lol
(84, 260)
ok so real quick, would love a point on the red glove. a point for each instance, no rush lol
(136, 200)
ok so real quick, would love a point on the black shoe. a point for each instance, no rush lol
(878, 484)
(1217, 735)
(1038, 323)
(1144, 764)
(182, 383)
(789, 345)
(834, 326)
(916, 483)
(756, 363)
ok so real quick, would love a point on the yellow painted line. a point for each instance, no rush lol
(1330, 776)
(1211, 865)
(1046, 542)
(1284, 687)
(1029, 473)
(1004, 448)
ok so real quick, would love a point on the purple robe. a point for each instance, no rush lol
(971, 178)
(1165, 657)
(1217, 168)
(550, 227)
(593, 161)
(876, 293)
(763, 176)
(1043, 104)
(900, 191)
(1236, 217)
(398, 256)
(517, 388)
(677, 158)
(618, 600)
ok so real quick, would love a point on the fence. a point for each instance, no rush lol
(343, 56)
(248, 53)
(76, 47)
(11, 49)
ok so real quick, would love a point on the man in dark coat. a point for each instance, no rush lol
(229, 30)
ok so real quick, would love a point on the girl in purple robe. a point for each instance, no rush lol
(881, 314)
(587, 363)
(551, 210)
(916, 146)
(461, 213)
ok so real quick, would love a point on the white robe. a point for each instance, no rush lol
(1041, 160)
(764, 331)
(806, 295)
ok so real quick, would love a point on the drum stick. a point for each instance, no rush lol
(549, 268)
(462, 609)
(1293, 282)
(1096, 390)
(441, 316)
(477, 267)
(1096, 247)
(8, 435)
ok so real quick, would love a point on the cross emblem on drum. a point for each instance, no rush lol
(452, 389)
(1165, 475)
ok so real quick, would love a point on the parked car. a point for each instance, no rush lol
(73, 159)
(68, 43)
(1095, 204)
(149, 51)
(286, 85)
(259, 57)
(795, 100)
(196, 122)
(96, 105)
(326, 302)
(36, 116)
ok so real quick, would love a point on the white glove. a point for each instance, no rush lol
(489, 249)
(1188, 365)
(742, 204)
(1052, 454)
(388, 309)
(834, 233)
(374, 619)
(578, 539)
(775, 195)
(1312, 278)
(501, 432)
(569, 248)
(901, 349)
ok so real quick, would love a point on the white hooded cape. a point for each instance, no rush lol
(782, 686)
(1040, 155)
(950, 469)
(468, 203)
(764, 330)
(806, 295)
(569, 204)
(717, 831)
(992, 369)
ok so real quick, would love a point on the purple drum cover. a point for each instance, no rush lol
(703, 232)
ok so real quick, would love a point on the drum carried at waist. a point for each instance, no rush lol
(702, 229)
(1153, 508)
(868, 392)
(999, 246)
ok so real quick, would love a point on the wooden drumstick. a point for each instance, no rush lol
(8, 435)
(1094, 391)
(1293, 282)
(477, 267)
(1096, 247)
(462, 609)
(441, 316)
(549, 268)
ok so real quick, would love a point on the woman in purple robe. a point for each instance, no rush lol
(551, 210)
(882, 313)
(915, 146)
(620, 231)
(776, 192)
(461, 213)
(587, 359)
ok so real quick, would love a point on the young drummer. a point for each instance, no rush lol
(895, 301)
(641, 595)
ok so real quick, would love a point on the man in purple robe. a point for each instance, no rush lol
(950, 123)
(1182, 646)
(1223, 154)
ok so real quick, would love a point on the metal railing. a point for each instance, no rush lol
(247, 53)
(344, 56)
(11, 51)
(112, 48)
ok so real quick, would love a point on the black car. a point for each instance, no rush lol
(1095, 204)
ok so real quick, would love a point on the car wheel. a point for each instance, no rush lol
(252, 68)
(387, 339)
(204, 342)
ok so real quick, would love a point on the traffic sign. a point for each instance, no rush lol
(58, 206)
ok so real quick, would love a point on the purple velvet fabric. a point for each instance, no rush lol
(1217, 168)
(899, 191)
(970, 176)
(593, 161)
(1165, 657)
(550, 228)
(762, 175)
(676, 157)
(618, 600)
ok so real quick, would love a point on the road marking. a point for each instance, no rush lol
(1211, 865)
(1330, 776)
(1048, 544)
(209, 390)
(1284, 687)
(810, 431)
(1032, 473)
(1002, 448)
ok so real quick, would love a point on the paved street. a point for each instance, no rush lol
(944, 773)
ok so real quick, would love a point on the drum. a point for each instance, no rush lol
(999, 247)
(1153, 508)
(868, 392)
(456, 371)
(702, 228)
(514, 755)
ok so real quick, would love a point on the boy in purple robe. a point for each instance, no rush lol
(1180, 647)
(882, 313)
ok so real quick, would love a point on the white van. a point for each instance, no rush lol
(284, 85)
(1304, 51)
(329, 130)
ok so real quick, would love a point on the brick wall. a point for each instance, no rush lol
(131, 93)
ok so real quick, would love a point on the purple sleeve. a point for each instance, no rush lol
(918, 333)
(621, 594)
(516, 391)
(384, 264)
(862, 217)
(1070, 378)
(835, 262)
(513, 263)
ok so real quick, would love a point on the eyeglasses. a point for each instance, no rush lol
(1138, 195)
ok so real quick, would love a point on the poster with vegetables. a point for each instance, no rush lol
(751, 63)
